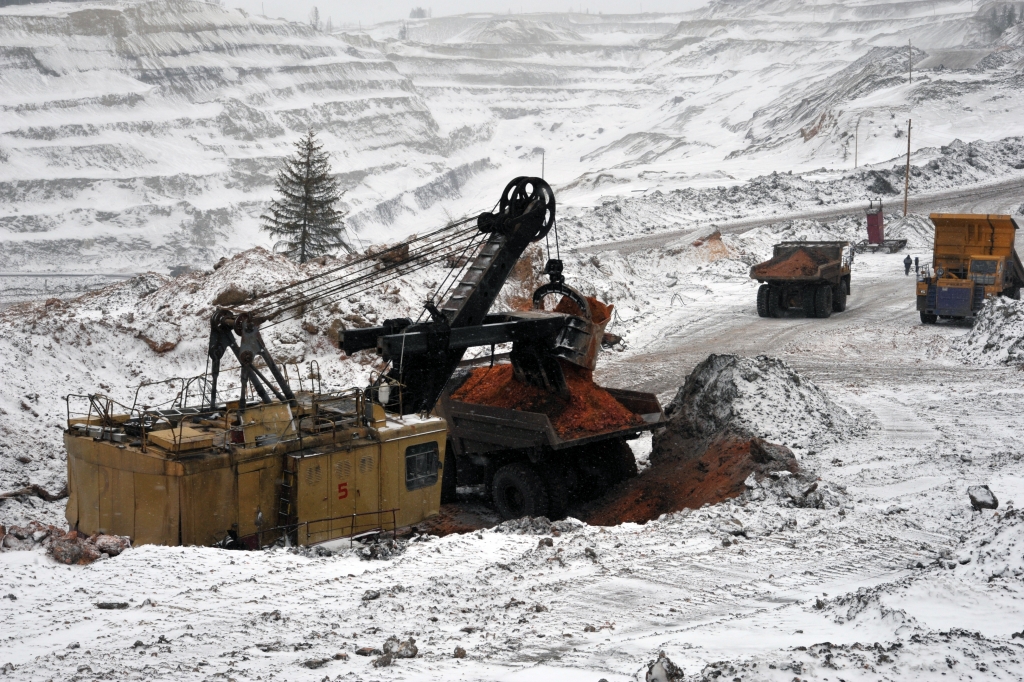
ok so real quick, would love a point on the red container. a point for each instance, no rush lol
(876, 227)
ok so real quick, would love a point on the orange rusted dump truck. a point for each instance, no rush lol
(810, 276)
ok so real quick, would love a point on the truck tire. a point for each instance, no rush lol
(762, 300)
(928, 318)
(823, 301)
(774, 302)
(807, 299)
(557, 490)
(839, 298)
(518, 490)
(448, 475)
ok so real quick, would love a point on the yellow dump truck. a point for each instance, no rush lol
(974, 259)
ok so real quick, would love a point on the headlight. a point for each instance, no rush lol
(940, 272)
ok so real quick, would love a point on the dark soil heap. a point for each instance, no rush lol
(589, 410)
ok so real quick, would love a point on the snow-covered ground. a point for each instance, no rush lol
(707, 114)
(902, 581)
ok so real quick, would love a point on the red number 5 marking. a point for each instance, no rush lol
(342, 490)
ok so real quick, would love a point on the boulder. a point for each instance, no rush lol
(982, 497)
(232, 295)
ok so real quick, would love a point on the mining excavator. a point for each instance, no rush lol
(276, 464)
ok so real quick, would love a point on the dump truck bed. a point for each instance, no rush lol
(497, 428)
(803, 262)
(958, 236)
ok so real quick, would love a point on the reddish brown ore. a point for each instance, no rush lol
(589, 410)
(800, 263)
(680, 483)
(599, 312)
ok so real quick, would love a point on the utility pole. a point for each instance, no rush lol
(856, 141)
(542, 164)
(906, 186)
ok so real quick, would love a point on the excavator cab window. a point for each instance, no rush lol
(421, 464)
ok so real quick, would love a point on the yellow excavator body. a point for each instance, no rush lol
(254, 475)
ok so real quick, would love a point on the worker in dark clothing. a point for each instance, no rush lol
(917, 266)
(907, 262)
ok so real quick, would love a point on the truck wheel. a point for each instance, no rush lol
(839, 299)
(558, 492)
(518, 491)
(807, 299)
(774, 302)
(448, 480)
(762, 300)
(823, 301)
(927, 318)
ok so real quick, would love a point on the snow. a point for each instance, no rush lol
(760, 396)
(109, 163)
(997, 334)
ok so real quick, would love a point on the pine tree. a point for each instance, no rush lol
(304, 217)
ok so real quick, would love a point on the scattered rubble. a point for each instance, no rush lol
(66, 547)
(399, 648)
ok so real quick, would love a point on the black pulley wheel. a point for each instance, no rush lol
(529, 194)
(518, 490)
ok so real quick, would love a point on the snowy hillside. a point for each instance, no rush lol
(145, 135)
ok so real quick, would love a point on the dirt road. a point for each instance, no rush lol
(878, 338)
(1003, 197)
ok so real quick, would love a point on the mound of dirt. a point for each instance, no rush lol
(917, 229)
(589, 410)
(759, 397)
(997, 337)
(686, 482)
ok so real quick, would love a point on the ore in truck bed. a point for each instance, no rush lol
(800, 263)
(589, 410)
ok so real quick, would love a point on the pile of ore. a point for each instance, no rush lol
(728, 435)
(67, 547)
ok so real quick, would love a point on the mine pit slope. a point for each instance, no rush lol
(146, 135)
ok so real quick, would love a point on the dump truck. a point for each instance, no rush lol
(274, 463)
(809, 276)
(536, 450)
(973, 259)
